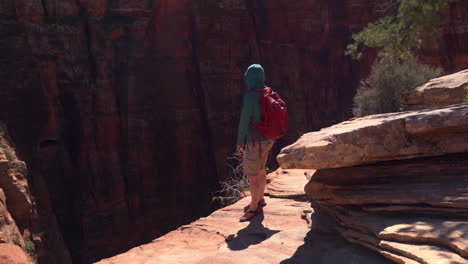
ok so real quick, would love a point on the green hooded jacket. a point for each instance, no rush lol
(254, 78)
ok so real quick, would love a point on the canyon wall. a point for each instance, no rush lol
(125, 111)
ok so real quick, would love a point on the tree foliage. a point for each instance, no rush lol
(401, 28)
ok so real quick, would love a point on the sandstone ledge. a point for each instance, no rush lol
(381, 137)
(282, 234)
(221, 238)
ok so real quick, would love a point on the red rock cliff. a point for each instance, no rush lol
(127, 110)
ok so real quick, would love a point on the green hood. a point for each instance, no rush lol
(254, 77)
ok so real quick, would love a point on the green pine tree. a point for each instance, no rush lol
(401, 29)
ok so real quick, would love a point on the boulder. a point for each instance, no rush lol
(446, 90)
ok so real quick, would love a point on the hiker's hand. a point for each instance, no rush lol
(240, 148)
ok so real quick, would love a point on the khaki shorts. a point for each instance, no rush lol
(253, 161)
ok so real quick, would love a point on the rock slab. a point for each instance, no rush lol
(221, 238)
(443, 91)
(381, 137)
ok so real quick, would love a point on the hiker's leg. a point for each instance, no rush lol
(254, 192)
(266, 148)
(262, 184)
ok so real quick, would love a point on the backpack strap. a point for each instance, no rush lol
(252, 134)
(261, 91)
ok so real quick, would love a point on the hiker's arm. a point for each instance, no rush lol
(246, 114)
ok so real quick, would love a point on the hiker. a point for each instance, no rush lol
(256, 135)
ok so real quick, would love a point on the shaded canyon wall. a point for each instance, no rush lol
(125, 111)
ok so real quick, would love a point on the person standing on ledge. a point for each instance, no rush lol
(252, 134)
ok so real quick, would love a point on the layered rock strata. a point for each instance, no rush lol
(395, 183)
(419, 204)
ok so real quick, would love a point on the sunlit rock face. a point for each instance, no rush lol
(396, 183)
(125, 111)
(446, 90)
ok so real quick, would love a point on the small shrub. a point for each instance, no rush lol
(388, 80)
(30, 249)
(235, 186)
(29, 246)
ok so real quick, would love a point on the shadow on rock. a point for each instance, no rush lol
(323, 245)
(253, 234)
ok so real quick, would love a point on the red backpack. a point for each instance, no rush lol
(274, 123)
